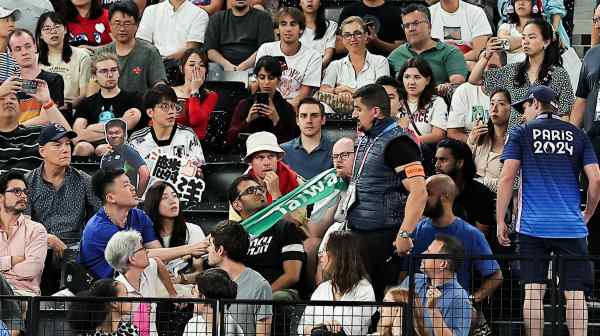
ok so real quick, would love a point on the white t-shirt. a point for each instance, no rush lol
(355, 320)
(518, 55)
(194, 235)
(341, 72)
(169, 30)
(327, 41)
(150, 285)
(197, 326)
(303, 68)
(461, 27)
(469, 103)
(435, 115)
(75, 74)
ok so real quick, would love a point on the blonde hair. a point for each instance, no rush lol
(354, 19)
(101, 58)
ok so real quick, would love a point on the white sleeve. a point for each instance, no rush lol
(308, 318)
(439, 113)
(505, 28)
(196, 234)
(146, 28)
(198, 28)
(382, 67)
(330, 34)
(479, 22)
(312, 77)
(262, 51)
(331, 73)
(458, 108)
(196, 150)
(352, 314)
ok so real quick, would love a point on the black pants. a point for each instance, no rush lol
(376, 249)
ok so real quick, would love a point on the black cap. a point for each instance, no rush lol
(54, 132)
(541, 93)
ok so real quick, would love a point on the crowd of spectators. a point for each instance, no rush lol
(469, 139)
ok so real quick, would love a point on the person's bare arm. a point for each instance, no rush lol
(290, 276)
(415, 204)
(263, 327)
(215, 56)
(489, 285)
(593, 194)
(387, 47)
(503, 197)
(328, 57)
(456, 79)
(302, 93)
(248, 63)
(132, 117)
(165, 277)
(36, 121)
(457, 134)
(434, 137)
(576, 117)
(143, 178)
(478, 44)
(87, 133)
(51, 114)
(155, 250)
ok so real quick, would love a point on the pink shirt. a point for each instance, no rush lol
(30, 240)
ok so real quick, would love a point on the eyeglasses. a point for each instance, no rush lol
(408, 25)
(47, 29)
(18, 191)
(140, 249)
(167, 106)
(357, 34)
(125, 25)
(596, 19)
(341, 156)
(105, 72)
(253, 190)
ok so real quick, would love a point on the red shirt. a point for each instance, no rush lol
(92, 32)
(196, 113)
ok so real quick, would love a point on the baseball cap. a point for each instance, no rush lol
(5, 12)
(53, 132)
(539, 92)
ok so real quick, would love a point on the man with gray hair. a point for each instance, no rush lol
(141, 275)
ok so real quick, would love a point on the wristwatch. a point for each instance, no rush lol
(404, 234)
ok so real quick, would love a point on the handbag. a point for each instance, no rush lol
(479, 325)
(76, 277)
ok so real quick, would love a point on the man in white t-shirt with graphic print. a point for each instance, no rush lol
(167, 147)
(302, 68)
(462, 24)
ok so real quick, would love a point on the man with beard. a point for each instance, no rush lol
(111, 102)
(475, 203)
(277, 254)
(386, 195)
(440, 219)
(123, 156)
(230, 42)
(60, 197)
(23, 242)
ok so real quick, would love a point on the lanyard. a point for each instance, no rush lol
(362, 164)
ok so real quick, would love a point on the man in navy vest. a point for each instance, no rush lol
(387, 194)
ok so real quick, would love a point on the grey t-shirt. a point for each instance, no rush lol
(139, 70)
(251, 286)
(587, 88)
(238, 37)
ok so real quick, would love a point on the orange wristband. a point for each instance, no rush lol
(48, 105)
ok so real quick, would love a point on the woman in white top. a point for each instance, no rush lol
(56, 55)
(347, 281)
(426, 113)
(162, 206)
(319, 33)
(513, 30)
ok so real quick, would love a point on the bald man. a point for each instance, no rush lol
(440, 219)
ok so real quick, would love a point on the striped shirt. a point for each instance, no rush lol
(8, 67)
(19, 148)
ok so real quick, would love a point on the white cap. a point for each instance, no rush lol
(262, 141)
(5, 12)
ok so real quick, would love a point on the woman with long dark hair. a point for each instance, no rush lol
(319, 33)
(162, 206)
(522, 11)
(486, 140)
(87, 22)
(542, 66)
(273, 115)
(196, 103)
(425, 113)
(347, 280)
(56, 55)
(100, 318)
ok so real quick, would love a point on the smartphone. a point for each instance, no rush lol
(28, 86)
(262, 98)
(282, 62)
(504, 44)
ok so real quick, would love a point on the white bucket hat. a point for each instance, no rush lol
(5, 12)
(260, 142)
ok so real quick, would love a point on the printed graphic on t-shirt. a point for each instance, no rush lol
(452, 33)
(291, 81)
(420, 116)
(372, 23)
(479, 113)
(259, 245)
(556, 142)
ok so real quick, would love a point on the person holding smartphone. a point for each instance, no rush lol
(266, 110)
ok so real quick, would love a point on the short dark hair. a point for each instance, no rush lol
(127, 7)
(102, 179)
(233, 193)
(90, 314)
(309, 100)
(233, 238)
(373, 95)
(461, 151)
(18, 32)
(8, 176)
(157, 94)
(417, 7)
(293, 12)
(215, 283)
(270, 64)
(454, 248)
(388, 81)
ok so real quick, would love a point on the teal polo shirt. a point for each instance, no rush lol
(444, 59)
(308, 165)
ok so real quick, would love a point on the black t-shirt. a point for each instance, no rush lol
(267, 252)
(56, 86)
(97, 109)
(386, 20)
(476, 203)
